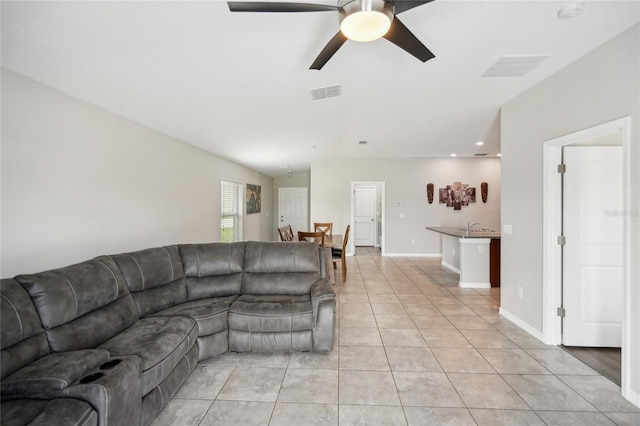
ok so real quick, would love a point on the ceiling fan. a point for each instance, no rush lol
(360, 20)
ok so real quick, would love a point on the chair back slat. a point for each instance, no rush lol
(311, 236)
(286, 234)
(326, 227)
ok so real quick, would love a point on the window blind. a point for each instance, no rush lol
(231, 211)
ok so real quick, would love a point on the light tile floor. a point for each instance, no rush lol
(411, 348)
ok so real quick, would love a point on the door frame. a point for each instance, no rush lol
(552, 221)
(354, 184)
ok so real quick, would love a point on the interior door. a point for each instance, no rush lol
(364, 215)
(293, 209)
(592, 254)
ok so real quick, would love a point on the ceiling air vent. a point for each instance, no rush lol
(480, 155)
(514, 66)
(326, 92)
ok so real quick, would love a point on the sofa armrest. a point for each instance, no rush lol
(52, 373)
(112, 386)
(321, 292)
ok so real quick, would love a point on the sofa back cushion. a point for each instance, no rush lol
(82, 305)
(280, 267)
(155, 278)
(213, 270)
(22, 339)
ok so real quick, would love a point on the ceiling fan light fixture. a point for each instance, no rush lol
(366, 20)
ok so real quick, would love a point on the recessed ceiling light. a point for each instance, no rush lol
(284, 166)
(479, 143)
(571, 10)
(454, 155)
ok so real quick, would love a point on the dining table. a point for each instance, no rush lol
(330, 242)
(333, 241)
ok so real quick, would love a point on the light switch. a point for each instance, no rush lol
(507, 229)
(401, 215)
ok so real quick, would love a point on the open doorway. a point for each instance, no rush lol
(556, 258)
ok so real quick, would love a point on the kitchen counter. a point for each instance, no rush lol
(475, 255)
(461, 233)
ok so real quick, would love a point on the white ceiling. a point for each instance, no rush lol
(237, 84)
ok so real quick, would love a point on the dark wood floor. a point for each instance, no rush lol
(606, 361)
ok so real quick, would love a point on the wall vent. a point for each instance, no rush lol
(326, 92)
(514, 66)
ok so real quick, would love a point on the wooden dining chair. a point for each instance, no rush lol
(286, 234)
(326, 227)
(338, 255)
(311, 236)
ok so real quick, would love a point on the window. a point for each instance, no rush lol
(231, 200)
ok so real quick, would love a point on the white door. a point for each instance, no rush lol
(592, 255)
(364, 215)
(293, 209)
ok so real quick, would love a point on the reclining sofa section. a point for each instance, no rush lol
(109, 341)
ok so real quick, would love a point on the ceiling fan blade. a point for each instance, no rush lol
(258, 6)
(400, 6)
(400, 35)
(329, 50)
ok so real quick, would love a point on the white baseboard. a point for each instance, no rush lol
(450, 267)
(523, 325)
(473, 285)
(632, 397)
(412, 254)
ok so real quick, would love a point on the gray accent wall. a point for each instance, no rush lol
(78, 182)
(602, 86)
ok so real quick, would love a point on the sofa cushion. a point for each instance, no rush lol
(209, 314)
(22, 338)
(213, 270)
(280, 268)
(271, 313)
(155, 278)
(82, 305)
(40, 412)
(160, 342)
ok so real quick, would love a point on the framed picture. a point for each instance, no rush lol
(254, 198)
(457, 195)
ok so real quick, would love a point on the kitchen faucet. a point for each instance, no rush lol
(470, 225)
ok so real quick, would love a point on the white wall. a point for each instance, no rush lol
(79, 182)
(602, 86)
(405, 183)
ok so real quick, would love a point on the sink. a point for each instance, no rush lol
(477, 230)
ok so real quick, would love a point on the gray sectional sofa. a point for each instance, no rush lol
(109, 341)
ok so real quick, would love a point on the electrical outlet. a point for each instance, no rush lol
(480, 249)
(520, 292)
(507, 229)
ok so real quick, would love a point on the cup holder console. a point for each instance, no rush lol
(91, 378)
(108, 365)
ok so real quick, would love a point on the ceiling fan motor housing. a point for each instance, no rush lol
(365, 20)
